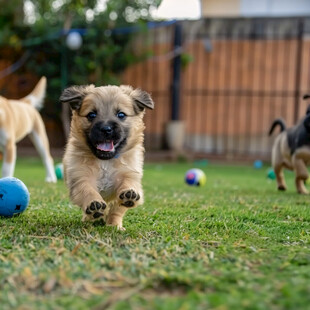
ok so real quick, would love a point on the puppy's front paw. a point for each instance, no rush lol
(94, 211)
(129, 198)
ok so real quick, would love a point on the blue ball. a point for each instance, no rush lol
(258, 164)
(14, 196)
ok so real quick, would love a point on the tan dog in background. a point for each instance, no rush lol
(103, 161)
(19, 118)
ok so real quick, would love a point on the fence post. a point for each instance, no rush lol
(176, 83)
(175, 128)
(65, 110)
(300, 35)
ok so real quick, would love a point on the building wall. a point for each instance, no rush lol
(236, 8)
(275, 8)
(220, 8)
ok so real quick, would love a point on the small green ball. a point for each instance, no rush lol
(270, 174)
(59, 171)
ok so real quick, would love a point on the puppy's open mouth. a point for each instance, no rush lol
(107, 146)
(107, 149)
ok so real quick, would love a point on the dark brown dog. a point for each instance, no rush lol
(103, 161)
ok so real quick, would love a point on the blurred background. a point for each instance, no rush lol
(219, 71)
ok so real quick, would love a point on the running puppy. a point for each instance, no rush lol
(19, 118)
(291, 150)
(103, 160)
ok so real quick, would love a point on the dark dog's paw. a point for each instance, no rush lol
(129, 198)
(95, 210)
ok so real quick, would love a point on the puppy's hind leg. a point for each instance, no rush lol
(278, 164)
(115, 215)
(40, 141)
(302, 175)
(278, 170)
(9, 159)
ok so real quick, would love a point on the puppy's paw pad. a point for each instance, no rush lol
(96, 209)
(129, 198)
(128, 203)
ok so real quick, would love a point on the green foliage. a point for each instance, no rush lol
(104, 53)
(236, 243)
(186, 59)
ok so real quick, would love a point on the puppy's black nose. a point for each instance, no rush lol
(106, 129)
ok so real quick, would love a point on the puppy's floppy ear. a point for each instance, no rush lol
(74, 95)
(141, 98)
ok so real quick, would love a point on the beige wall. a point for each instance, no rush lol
(220, 8)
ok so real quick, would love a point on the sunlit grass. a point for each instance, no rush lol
(235, 243)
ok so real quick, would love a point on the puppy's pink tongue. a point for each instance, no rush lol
(106, 147)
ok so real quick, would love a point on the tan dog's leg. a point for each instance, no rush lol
(129, 195)
(40, 141)
(9, 159)
(300, 167)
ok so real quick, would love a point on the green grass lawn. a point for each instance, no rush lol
(235, 243)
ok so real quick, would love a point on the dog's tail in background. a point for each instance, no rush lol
(36, 97)
(277, 122)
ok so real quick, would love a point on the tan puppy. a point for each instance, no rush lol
(19, 118)
(103, 160)
(291, 150)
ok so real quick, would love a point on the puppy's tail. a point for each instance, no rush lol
(36, 97)
(276, 122)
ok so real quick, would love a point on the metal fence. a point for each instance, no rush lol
(243, 74)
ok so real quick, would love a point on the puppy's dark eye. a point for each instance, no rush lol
(91, 116)
(121, 115)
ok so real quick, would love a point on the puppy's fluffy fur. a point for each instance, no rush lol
(291, 150)
(19, 118)
(103, 160)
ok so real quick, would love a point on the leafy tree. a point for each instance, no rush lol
(40, 27)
